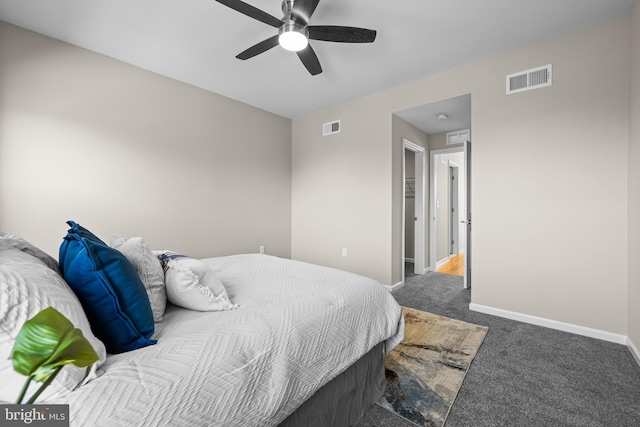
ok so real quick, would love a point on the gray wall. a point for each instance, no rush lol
(123, 150)
(634, 182)
(438, 141)
(402, 130)
(526, 137)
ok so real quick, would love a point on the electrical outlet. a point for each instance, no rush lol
(262, 249)
(344, 251)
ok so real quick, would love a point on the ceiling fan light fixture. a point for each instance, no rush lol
(294, 31)
(293, 37)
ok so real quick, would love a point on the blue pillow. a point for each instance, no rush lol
(83, 232)
(110, 290)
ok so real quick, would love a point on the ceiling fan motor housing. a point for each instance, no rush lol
(291, 25)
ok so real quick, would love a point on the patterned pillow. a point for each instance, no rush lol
(149, 269)
(29, 283)
(192, 284)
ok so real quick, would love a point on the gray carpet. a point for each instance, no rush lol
(525, 375)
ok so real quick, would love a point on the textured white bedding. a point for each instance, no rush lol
(298, 326)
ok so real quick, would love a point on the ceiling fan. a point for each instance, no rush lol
(294, 31)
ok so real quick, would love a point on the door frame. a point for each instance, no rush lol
(432, 202)
(419, 214)
(467, 221)
(454, 206)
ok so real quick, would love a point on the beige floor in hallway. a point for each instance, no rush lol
(454, 266)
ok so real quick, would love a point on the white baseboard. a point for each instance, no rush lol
(395, 287)
(634, 350)
(442, 261)
(425, 271)
(553, 324)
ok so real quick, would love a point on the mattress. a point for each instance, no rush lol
(297, 327)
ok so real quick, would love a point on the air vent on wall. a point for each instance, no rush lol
(331, 128)
(530, 79)
(458, 137)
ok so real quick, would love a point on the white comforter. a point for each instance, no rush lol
(298, 326)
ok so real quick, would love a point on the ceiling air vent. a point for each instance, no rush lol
(331, 128)
(530, 79)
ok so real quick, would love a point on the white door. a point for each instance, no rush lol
(467, 220)
(454, 216)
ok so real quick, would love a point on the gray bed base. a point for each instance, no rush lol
(344, 400)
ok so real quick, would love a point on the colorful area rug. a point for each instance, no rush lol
(425, 372)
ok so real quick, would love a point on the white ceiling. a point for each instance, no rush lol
(196, 41)
(425, 117)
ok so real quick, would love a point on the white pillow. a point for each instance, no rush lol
(192, 284)
(28, 285)
(136, 250)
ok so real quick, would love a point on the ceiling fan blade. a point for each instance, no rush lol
(259, 48)
(305, 8)
(310, 60)
(336, 33)
(252, 12)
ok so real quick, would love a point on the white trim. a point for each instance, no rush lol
(467, 214)
(412, 145)
(634, 350)
(443, 261)
(419, 232)
(395, 287)
(553, 324)
(409, 260)
(425, 271)
(432, 199)
(453, 227)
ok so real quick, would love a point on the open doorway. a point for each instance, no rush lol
(414, 208)
(438, 121)
(448, 198)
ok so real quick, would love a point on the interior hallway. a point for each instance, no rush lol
(454, 266)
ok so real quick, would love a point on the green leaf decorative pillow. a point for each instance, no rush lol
(45, 344)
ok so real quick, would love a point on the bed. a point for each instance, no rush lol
(303, 347)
